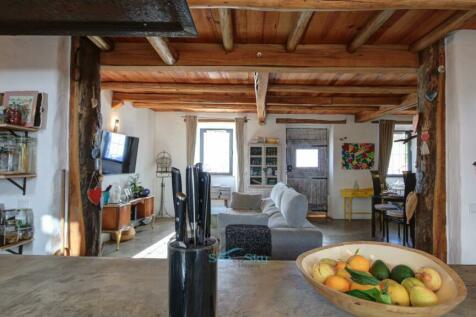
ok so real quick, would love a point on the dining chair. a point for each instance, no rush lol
(399, 215)
(378, 208)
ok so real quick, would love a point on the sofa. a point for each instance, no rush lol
(284, 212)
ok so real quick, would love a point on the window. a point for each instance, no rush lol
(216, 150)
(400, 159)
(307, 158)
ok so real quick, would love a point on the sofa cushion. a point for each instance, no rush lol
(277, 221)
(271, 210)
(240, 201)
(266, 203)
(277, 193)
(294, 207)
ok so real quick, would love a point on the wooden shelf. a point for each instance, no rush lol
(16, 245)
(17, 175)
(11, 127)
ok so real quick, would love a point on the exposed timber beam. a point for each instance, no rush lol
(454, 22)
(298, 30)
(161, 107)
(308, 121)
(271, 58)
(102, 43)
(167, 88)
(248, 100)
(408, 103)
(162, 48)
(226, 26)
(370, 29)
(333, 5)
(261, 90)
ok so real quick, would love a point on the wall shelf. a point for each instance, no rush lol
(11, 178)
(18, 245)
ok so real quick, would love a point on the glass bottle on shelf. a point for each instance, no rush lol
(24, 154)
(13, 154)
(32, 155)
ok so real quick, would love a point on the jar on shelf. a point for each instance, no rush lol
(3, 154)
(32, 155)
(13, 154)
(23, 144)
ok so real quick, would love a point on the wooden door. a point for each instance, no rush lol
(307, 164)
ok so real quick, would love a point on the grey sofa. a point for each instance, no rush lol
(284, 212)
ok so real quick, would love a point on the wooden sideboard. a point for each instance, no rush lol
(117, 218)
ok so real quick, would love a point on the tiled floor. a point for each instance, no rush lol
(152, 243)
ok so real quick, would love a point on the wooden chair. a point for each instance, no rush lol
(378, 208)
(399, 216)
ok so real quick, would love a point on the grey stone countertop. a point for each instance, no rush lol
(66, 286)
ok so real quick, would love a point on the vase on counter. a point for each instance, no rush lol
(115, 194)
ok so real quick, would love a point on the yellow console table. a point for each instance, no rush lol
(349, 194)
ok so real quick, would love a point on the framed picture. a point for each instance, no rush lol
(358, 156)
(23, 104)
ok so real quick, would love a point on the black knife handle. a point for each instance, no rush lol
(181, 219)
(193, 200)
(176, 188)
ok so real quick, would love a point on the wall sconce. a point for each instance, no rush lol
(116, 126)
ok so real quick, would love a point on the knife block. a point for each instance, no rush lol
(192, 279)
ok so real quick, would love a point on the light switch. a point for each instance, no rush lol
(472, 209)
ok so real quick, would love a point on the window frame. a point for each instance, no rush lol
(230, 135)
(409, 155)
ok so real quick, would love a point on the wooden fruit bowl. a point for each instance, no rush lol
(451, 294)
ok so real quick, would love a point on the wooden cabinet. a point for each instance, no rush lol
(145, 208)
(264, 165)
(116, 217)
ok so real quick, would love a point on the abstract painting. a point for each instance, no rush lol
(358, 156)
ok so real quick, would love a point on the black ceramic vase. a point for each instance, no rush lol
(192, 279)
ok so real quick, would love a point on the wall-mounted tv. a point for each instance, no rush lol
(119, 153)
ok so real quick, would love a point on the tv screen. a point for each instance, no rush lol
(119, 153)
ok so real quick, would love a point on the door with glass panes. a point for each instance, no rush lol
(307, 164)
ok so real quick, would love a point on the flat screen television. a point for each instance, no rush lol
(119, 153)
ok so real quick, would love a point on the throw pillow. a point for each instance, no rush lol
(240, 201)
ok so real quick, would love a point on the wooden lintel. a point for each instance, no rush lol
(263, 58)
(298, 31)
(454, 22)
(166, 88)
(248, 100)
(408, 103)
(226, 26)
(161, 47)
(102, 43)
(370, 29)
(340, 5)
(308, 121)
(116, 104)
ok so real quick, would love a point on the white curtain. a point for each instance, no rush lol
(191, 125)
(240, 148)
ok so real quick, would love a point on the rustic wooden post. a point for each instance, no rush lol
(431, 184)
(84, 135)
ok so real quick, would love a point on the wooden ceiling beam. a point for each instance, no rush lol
(453, 23)
(261, 90)
(308, 121)
(312, 110)
(102, 43)
(226, 26)
(168, 88)
(370, 29)
(264, 58)
(333, 5)
(161, 47)
(408, 103)
(270, 100)
(298, 31)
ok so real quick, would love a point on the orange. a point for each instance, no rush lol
(340, 265)
(361, 287)
(359, 263)
(338, 283)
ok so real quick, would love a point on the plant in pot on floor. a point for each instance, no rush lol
(136, 188)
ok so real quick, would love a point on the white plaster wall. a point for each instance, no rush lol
(461, 146)
(42, 64)
(170, 136)
(138, 123)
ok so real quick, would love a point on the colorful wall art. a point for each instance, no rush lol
(358, 156)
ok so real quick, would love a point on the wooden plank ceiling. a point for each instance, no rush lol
(268, 57)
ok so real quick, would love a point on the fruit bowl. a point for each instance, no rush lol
(451, 294)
